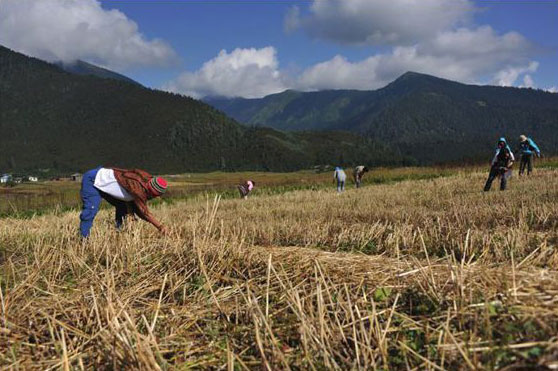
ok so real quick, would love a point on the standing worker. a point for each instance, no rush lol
(358, 173)
(340, 177)
(246, 188)
(526, 148)
(126, 190)
(500, 165)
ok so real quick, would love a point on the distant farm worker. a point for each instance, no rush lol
(358, 173)
(527, 149)
(500, 165)
(126, 190)
(340, 177)
(246, 188)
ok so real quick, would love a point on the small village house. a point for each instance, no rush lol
(76, 177)
(5, 178)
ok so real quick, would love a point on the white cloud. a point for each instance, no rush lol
(380, 22)
(249, 73)
(427, 36)
(339, 73)
(508, 76)
(78, 29)
(552, 89)
(378, 70)
(528, 81)
(463, 55)
(479, 42)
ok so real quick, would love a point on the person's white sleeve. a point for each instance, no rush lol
(495, 158)
(512, 156)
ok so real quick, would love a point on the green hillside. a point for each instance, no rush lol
(51, 119)
(425, 117)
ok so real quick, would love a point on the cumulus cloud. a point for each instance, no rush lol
(378, 70)
(380, 22)
(429, 36)
(426, 35)
(508, 76)
(67, 30)
(339, 73)
(481, 41)
(463, 55)
(528, 81)
(250, 73)
(553, 89)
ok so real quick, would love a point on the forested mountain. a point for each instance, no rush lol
(52, 119)
(80, 67)
(422, 116)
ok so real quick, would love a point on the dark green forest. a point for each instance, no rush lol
(424, 117)
(60, 122)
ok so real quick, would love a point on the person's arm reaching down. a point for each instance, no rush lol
(143, 212)
(535, 147)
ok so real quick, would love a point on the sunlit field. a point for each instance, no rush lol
(30, 199)
(419, 269)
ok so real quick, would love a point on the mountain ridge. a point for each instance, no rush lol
(80, 67)
(414, 114)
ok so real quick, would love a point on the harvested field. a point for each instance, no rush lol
(427, 274)
(31, 199)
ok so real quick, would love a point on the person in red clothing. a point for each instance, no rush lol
(126, 190)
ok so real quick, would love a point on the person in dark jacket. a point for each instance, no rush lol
(527, 149)
(500, 165)
(126, 190)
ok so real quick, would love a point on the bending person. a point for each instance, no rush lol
(126, 190)
(246, 188)
(358, 173)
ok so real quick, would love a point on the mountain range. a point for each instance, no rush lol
(62, 120)
(430, 119)
(71, 117)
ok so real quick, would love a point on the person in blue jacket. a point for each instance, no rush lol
(500, 165)
(527, 149)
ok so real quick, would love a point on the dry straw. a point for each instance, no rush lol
(421, 275)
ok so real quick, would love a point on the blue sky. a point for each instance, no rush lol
(254, 48)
